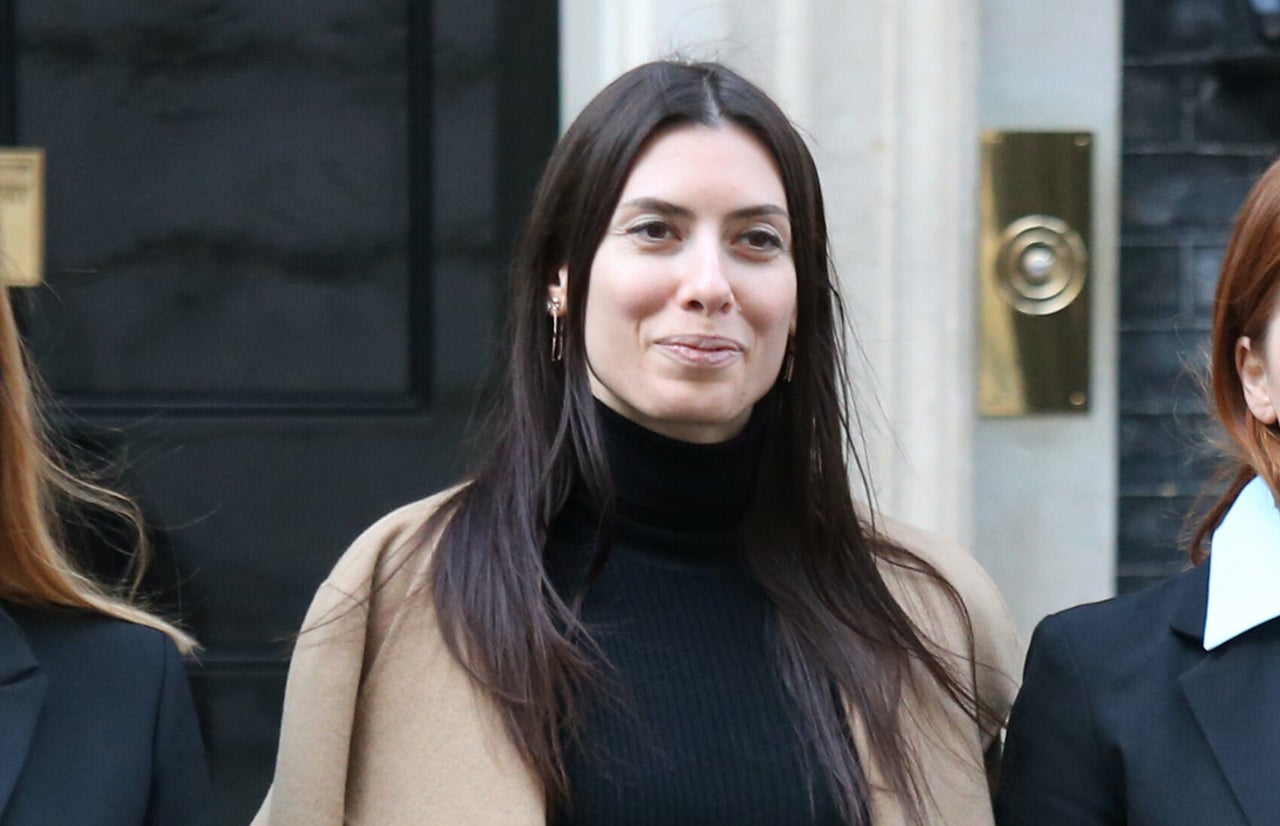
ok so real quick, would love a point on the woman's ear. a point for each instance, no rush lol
(558, 293)
(1252, 369)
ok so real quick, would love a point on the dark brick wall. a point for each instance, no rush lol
(1201, 120)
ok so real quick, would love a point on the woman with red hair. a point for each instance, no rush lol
(96, 719)
(1159, 707)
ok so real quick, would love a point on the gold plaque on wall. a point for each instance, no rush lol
(1034, 273)
(21, 217)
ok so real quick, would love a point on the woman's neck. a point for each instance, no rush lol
(680, 486)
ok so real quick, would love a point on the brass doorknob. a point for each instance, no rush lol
(1041, 265)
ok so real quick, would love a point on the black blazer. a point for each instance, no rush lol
(1124, 718)
(96, 725)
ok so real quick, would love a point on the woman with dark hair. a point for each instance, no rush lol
(1159, 707)
(655, 601)
(96, 720)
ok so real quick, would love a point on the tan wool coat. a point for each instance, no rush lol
(382, 727)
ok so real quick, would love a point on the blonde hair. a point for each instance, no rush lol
(35, 568)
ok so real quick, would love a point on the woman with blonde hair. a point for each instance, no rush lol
(1160, 707)
(96, 719)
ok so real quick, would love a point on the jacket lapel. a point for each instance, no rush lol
(1234, 692)
(22, 689)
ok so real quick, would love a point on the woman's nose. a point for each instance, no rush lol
(705, 285)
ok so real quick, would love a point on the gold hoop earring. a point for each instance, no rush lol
(789, 360)
(557, 335)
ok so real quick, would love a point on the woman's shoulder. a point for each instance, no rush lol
(123, 661)
(984, 624)
(105, 685)
(53, 632)
(383, 548)
(1121, 626)
(956, 565)
(373, 580)
(948, 560)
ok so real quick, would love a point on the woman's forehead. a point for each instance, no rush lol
(687, 162)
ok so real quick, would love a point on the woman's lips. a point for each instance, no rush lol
(700, 351)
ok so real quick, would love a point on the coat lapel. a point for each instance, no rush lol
(22, 689)
(1234, 692)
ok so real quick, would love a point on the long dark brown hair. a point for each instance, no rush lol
(1243, 305)
(838, 631)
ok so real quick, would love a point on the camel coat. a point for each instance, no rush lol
(382, 727)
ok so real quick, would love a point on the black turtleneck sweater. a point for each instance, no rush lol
(694, 725)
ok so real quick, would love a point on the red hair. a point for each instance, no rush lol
(1244, 304)
(35, 568)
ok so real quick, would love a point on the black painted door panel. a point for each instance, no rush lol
(276, 235)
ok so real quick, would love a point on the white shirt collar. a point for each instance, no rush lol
(1244, 567)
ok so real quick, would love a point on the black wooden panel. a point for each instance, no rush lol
(228, 203)
(240, 716)
(253, 512)
(8, 89)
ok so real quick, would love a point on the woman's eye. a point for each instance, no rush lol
(652, 231)
(762, 240)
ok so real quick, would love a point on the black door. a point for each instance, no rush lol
(276, 243)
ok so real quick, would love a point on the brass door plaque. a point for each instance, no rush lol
(21, 217)
(1033, 292)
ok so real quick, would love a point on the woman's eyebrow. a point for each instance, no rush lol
(667, 208)
(760, 211)
(659, 206)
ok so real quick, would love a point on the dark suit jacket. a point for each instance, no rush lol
(1124, 718)
(96, 725)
